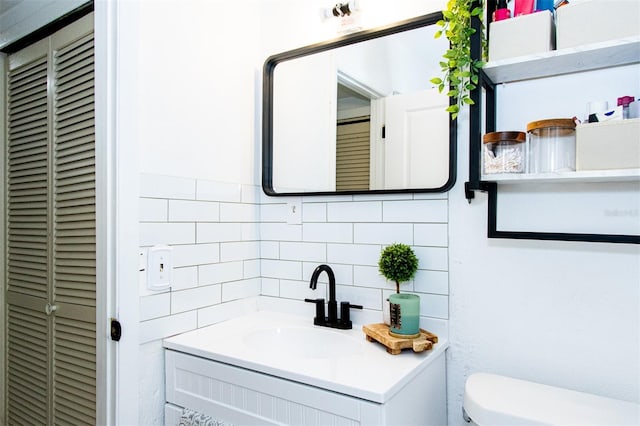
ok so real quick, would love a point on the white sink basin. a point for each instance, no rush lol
(298, 342)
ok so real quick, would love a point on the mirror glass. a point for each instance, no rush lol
(359, 114)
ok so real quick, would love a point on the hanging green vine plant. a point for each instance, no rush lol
(460, 71)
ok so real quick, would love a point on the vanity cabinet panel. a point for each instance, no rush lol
(246, 397)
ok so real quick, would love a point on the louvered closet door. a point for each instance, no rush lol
(74, 233)
(28, 247)
(353, 155)
(51, 231)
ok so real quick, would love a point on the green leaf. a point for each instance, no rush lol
(436, 80)
(468, 101)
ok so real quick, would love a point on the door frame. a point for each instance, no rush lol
(115, 32)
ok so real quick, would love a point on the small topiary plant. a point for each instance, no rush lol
(398, 263)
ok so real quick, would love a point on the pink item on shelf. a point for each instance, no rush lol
(501, 14)
(523, 7)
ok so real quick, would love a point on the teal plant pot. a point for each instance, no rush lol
(405, 314)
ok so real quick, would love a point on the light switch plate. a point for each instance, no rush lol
(294, 211)
(159, 267)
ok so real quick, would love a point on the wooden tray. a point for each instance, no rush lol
(395, 345)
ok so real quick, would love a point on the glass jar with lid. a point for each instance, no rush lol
(552, 145)
(503, 152)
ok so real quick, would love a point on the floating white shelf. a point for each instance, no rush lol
(623, 175)
(556, 62)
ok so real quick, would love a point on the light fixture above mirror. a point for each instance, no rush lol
(358, 114)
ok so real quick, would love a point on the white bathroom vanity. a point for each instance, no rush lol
(271, 368)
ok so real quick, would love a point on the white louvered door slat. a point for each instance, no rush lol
(51, 231)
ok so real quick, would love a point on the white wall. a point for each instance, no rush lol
(199, 85)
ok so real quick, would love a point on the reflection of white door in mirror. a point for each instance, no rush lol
(416, 148)
(304, 155)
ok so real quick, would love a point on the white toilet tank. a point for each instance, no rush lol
(495, 400)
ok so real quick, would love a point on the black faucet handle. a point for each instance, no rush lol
(345, 313)
(319, 319)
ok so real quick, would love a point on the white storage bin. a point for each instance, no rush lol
(596, 21)
(522, 35)
(608, 145)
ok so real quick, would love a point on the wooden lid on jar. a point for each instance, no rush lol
(495, 137)
(560, 123)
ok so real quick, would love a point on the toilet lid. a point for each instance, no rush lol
(490, 399)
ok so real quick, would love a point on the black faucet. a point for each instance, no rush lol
(332, 320)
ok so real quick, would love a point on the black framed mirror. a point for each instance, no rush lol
(358, 115)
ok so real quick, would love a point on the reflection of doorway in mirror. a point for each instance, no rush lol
(352, 139)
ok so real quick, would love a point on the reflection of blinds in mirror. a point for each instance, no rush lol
(352, 155)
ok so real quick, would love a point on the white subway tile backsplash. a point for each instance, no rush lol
(356, 254)
(220, 273)
(155, 306)
(383, 233)
(369, 298)
(270, 287)
(240, 289)
(218, 232)
(218, 191)
(310, 252)
(314, 212)
(423, 211)
(273, 212)
(224, 311)
(280, 232)
(167, 233)
(250, 231)
(282, 269)
(193, 211)
(269, 249)
(251, 268)
(239, 251)
(153, 210)
(369, 276)
(157, 186)
(195, 254)
(163, 327)
(300, 290)
(327, 232)
(433, 258)
(436, 282)
(434, 305)
(366, 211)
(343, 273)
(235, 212)
(194, 298)
(232, 243)
(183, 278)
(431, 234)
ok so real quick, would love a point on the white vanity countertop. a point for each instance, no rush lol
(255, 341)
